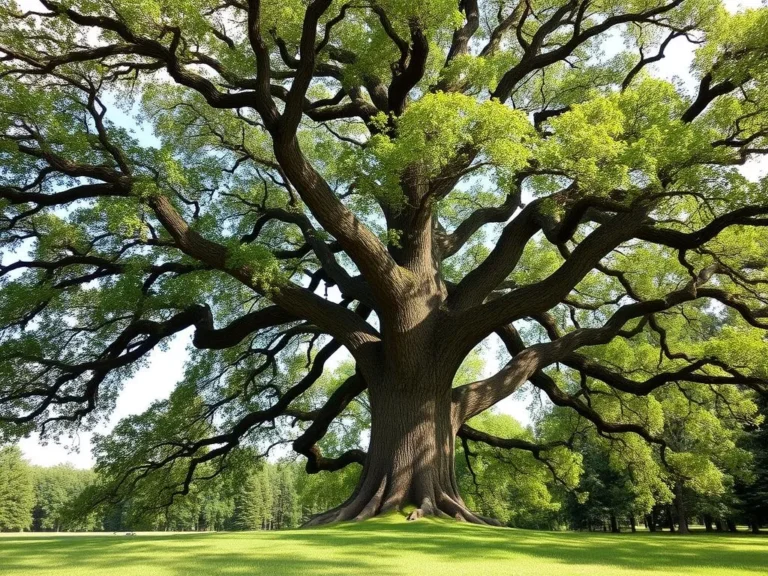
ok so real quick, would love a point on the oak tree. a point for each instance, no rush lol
(398, 179)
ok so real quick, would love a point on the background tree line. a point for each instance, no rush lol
(264, 496)
(593, 484)
(611, 484)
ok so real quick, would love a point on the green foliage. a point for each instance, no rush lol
(249, 508)
(736, 44)
(264, 267)
(325, 490)
(432, 130)
(626, 140)
(512, 485)
(55, 490)
(749, 496)
(268, 499)
(16, 490)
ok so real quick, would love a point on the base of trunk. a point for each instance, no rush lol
(410, 459)
(387, 497)
(446, 508)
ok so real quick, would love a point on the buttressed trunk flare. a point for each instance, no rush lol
(410, 462)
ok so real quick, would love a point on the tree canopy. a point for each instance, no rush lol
(401, 180)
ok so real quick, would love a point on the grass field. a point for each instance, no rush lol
(387, 546)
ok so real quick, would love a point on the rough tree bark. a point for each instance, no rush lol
(410, 460)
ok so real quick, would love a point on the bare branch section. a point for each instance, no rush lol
(306, 444)
(528, 362)
(469, 433)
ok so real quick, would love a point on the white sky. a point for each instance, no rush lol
(165, 367)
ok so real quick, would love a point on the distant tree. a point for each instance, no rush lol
(623, 479)
(704, 427)
(17, 496)
(55, 489)
(325, 490)
(250, 507)
(514, 486)
(113, 516)
(609, 494)
(752, 495)
(217, 506)
(287, 507)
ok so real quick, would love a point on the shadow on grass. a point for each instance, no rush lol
(651, 552)
(381, 547)
(146, 556)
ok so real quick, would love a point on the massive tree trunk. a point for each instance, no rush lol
(414, 418)
(410, 459)
(410, 462)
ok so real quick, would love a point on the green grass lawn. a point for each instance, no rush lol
(387, 546)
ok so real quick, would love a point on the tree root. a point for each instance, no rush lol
(362, 505)
(449, 507)
(365, 504)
